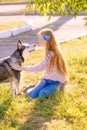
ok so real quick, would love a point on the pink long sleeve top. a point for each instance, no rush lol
(51, 74)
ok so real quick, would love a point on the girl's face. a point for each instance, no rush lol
(42, 41)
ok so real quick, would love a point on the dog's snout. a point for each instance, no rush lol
(34, 45)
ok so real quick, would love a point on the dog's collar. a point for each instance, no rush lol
(22, 58)
(6, 63)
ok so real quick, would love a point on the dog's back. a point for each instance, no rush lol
(5, 71)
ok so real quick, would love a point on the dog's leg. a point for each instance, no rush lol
(17, 88)
(12, 89)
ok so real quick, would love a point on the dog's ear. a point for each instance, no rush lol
(19, 44)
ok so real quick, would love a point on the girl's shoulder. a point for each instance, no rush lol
(50, 54)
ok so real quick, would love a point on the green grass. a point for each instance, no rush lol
(12, 1)
(61, 111)
(8, 25)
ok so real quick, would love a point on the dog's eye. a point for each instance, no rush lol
(27, 47)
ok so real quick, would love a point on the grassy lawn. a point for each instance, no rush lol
(61, 111)
(7, 25)
(12, 1)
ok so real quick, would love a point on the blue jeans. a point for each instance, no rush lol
(43, 89)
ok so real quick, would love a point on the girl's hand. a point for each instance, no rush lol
(16, 66)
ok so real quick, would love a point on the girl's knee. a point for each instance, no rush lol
(31, 94)
(43, 93)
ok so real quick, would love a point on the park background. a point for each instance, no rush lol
(61, 111)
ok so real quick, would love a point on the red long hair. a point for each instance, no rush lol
(57, 58)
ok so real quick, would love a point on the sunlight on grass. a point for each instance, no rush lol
(12, 1)
(7, 25)
(61, 111)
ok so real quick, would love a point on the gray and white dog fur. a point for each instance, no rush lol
(7, 74)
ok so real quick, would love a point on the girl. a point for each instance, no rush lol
(54, 66)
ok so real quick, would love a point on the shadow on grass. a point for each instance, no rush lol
(4, 106)
(44, 112)
(6, 111)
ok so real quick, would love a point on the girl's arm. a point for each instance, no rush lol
(36, 68)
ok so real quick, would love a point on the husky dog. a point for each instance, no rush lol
(7, 74)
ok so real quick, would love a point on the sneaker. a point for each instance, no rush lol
(25, 88)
